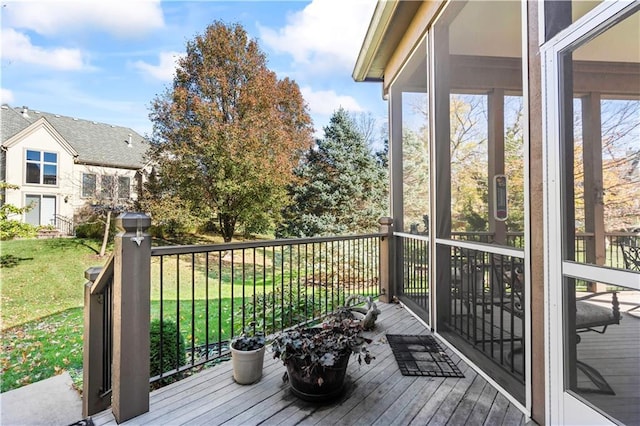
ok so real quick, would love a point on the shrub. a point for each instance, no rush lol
(173, 347)
(93, 230)
(10, 229)
(287, 306)
(91, 220)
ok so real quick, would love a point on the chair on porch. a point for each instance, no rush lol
(631, 256)
(507, 287)
(594, 317)
(591, 316)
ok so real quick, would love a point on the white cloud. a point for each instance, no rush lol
(165, 69)
(121, 18)
(17, 47)
(6, 96)
(326, 35)
(326, 102)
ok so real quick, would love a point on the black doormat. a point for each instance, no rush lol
(83, 422)
(421, 355)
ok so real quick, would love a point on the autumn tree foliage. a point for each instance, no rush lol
(228, 134)
(341, 187)
(469, 164)
(620, 159)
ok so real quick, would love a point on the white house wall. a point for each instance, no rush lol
(68, 189)
(80, 169)
(40, 140)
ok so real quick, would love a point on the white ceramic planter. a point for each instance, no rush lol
(247, 365)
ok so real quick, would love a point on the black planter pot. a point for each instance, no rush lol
(307, 387)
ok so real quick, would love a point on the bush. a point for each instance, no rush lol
(286, 307)
(10, 229)
(93, 230)
(173, 355)
(91, 222)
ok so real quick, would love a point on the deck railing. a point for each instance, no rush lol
(613, 254)
(487, 308)
(210, 293)
(98, 338)
(215, 292)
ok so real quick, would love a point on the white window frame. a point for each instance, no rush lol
(120, 187)
(560, 406)
(95, 185)
(41, 164)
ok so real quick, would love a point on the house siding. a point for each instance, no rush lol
(81, 147)
(39, 140)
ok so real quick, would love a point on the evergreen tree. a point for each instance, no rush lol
(341, 186)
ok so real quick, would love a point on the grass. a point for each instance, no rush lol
(41, 305)
(44, 277)
(42, 301)
(41, 349)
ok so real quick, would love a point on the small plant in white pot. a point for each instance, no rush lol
(247, 356)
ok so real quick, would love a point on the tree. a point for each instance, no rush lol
(468, 116)
(620, 157)
(228, 134)
(415, 177)
(341, 186)
(114, 196)
(171, 215)
(108, 194)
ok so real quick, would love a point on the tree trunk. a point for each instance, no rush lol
(105, 238)
(227, 227)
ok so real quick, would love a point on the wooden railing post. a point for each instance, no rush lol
(92, 386)
(387, 290)
(131, 313)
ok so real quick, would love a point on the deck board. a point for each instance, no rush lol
(468, 401)
(376, 394)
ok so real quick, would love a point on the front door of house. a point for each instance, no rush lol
(591, 79)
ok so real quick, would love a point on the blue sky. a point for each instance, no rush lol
(106, 61)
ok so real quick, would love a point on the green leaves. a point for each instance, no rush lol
(341, 186)
(228, 135)
(318, 347)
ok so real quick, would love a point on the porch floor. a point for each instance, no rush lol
(377, 394)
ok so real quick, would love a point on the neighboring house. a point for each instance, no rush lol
(526, 113)
(61, 164)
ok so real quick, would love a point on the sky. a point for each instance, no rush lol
(106, 61)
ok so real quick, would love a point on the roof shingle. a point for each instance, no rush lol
(96, 143)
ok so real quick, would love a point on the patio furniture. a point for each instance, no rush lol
(590, 316)
(631, 256)
(508, 284)
(595, 317)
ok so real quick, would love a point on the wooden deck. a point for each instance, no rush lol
(376, 394)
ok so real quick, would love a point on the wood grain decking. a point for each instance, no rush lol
(376, 394)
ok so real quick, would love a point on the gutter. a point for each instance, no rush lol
(115, 166)
(378, 27)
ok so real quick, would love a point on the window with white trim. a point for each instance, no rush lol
(89, 185)
(42, 167)
(124, 187)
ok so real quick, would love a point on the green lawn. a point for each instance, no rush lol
(42, 302)
(41, 349)
(44, 277)
(41, 307)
